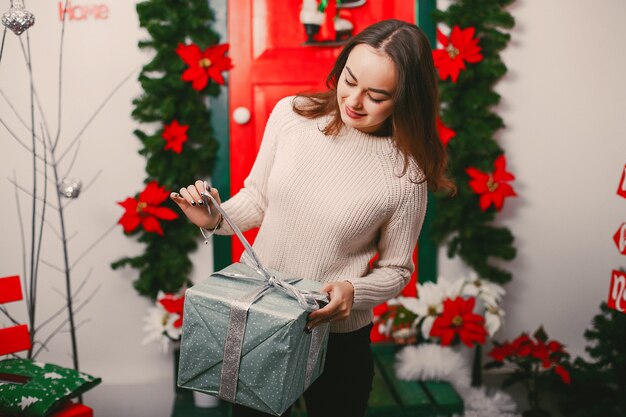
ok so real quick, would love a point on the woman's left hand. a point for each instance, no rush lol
(341, 294)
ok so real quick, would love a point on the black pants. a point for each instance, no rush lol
(344, 387)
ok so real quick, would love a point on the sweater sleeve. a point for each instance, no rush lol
(247, 208)
(392, 271)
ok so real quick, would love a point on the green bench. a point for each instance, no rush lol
(390, 396)
(393, 397)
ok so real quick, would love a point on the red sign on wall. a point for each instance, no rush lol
(621, 189)
(78, 12)
(617, 291)
(620, 239)
(12, 339)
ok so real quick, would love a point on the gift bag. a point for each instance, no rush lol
(244, 335)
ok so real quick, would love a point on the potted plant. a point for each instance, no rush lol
(534, 361)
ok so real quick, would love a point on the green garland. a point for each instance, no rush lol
(466, 109)
(165, 264)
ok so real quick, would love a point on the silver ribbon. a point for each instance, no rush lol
(233, 346)
(317, 338)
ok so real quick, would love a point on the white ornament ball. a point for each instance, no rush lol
(241, 115)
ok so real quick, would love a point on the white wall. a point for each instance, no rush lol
(98, 54)
(563, 103)
(563, 100)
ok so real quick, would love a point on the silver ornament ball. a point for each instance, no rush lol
(70, 188)
(18, 19)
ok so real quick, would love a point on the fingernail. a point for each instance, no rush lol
(200, 203)
(193, 203)
(176, 195)
(207, 186)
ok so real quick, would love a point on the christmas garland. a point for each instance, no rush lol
(469, 65)
(185, 71)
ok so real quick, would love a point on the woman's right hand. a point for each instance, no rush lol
(190, 202)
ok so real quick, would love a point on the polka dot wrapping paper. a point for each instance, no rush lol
(279, 358)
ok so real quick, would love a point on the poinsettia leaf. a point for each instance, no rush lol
(541, 334)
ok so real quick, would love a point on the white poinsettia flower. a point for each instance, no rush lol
(494, 317)
(427, 325)
(173, 332)
(394, 301)
(158, 324)
(489, 292)
(451, 288)
(429, 301)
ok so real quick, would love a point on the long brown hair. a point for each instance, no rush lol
(416, 100)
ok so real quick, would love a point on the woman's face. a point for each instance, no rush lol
(365, 89)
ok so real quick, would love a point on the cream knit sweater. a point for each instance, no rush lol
(326, 205)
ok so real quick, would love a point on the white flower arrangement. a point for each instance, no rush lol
(412, 318)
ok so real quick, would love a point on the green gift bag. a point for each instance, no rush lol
(244, 335)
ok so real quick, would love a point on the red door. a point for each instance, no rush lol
(271, 61)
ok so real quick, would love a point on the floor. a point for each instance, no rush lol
(147, 400)
(157, 399)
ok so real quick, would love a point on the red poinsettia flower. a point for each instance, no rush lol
(173, 304)
(501, 352)
(175, 135)
(204, 64)
(458, 319)
(492, 187)
(556, 347)
(523, 345)
(562, 372)
(144, 211)
(531, 357)
(540, 351)
(445, 133)
(459, 48)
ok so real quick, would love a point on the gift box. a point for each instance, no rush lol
(36, 389)
(263, 358)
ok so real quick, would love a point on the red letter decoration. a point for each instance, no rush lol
(617, 291)
(16, 338)
(620, 239)
(10, 289)
(621, 190)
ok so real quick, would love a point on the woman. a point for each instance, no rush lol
(340, 176)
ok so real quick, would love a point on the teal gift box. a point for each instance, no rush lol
(244, 336)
